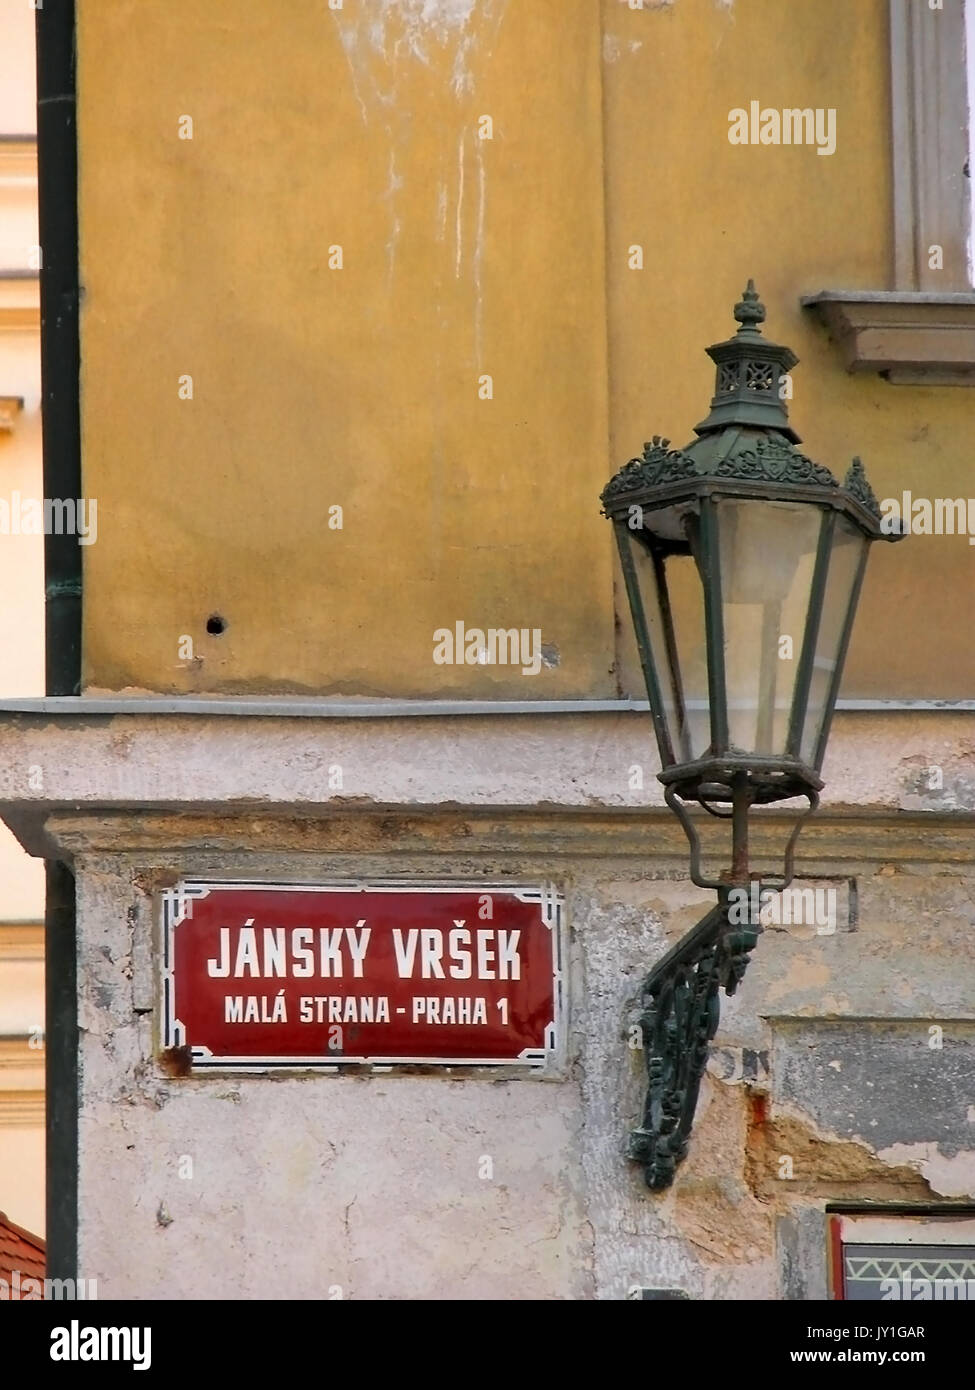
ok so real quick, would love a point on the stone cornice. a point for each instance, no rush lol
(10, 408)
(386, 842)
(18, 161)
(912, 339)
(876, 763)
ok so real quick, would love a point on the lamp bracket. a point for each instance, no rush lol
(681, 1010)
(681, 995)
(679, 808)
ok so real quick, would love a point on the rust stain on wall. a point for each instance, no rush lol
(821, 1166)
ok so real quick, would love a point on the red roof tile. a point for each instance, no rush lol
(21, 1254)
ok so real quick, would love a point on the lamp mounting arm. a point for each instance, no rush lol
(739, 873)
(681, 1010)
(681, 1003)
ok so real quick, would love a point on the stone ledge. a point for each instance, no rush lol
(877, 764)
(910, 338)
(383, 843)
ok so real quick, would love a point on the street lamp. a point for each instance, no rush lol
(743, 561)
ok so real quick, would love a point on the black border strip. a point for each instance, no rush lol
(57, 192)
(57, 207)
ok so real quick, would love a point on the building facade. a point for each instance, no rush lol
(373, 302)
(21, 619)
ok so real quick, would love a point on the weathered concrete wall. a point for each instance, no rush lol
(919, 763)
(372, 1185)
(306, 1186)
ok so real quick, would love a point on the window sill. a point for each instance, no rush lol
(10, 408)
(911, 339)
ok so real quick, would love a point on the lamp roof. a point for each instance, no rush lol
(745, 445)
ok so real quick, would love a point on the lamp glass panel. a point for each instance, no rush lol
(685, 594)
(640, 574)
(767, 556)
(848, 546)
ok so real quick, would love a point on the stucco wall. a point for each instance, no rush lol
(315, 386)
(301, 1184)
(374, 1184)
(357, 387)
(462, 257)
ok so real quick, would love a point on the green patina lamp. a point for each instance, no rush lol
(743, 561)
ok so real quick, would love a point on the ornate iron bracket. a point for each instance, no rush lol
(681, 1009)
(681, 1000)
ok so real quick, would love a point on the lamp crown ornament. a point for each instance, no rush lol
(750, 311)
(750, 370)
(747, 435)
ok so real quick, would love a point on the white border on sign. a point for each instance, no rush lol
(177, 906)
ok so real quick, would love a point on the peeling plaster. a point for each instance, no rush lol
(956, 794)
(948, 1177)
(381, 41)
(614, 47)
(423, 24)
(568, 1216)
(824, 1163)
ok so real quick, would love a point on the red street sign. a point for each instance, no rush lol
(262, 975)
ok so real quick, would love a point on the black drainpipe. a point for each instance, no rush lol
(57, 197)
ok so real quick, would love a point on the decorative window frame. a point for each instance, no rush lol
(922, 331)
(929, 114)
(894, 1227)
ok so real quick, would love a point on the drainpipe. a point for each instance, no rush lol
(61, 1072)
(57, 196)
(57, 199)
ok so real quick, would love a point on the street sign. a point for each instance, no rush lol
(259, 976)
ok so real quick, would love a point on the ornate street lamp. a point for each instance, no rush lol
(743, 561)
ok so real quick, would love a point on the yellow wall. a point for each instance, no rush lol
(358, 387)
(710, 214)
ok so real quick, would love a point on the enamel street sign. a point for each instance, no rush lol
(259, 976)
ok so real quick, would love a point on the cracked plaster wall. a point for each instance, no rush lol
(310, 1186)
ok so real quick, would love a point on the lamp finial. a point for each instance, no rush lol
(750, 311)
